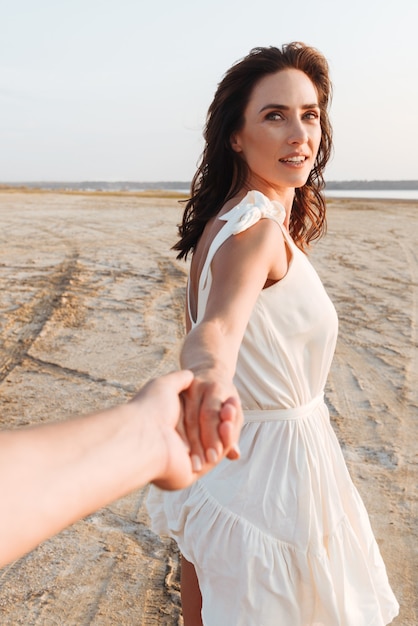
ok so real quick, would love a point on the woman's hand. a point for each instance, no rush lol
(181, 458)
(212, 420)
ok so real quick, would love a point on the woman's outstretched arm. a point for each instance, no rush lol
(240, 270)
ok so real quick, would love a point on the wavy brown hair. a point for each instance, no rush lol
(222, 172)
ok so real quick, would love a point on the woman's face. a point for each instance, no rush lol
(281, 133)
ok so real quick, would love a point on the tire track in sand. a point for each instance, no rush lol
(27, 322)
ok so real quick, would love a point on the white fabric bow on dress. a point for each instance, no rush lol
(251, 209)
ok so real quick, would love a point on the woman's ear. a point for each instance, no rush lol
(235, 142)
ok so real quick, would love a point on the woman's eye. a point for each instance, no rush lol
(311, 115)
(274, 115)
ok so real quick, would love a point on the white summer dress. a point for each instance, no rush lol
(280, 537)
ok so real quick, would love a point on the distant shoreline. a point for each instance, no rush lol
(183, 187)
(331, 194)
(145, 193)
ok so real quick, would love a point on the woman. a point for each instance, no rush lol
(280, 537)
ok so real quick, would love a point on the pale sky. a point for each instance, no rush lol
(118, 89)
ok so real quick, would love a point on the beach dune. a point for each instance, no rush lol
(91, 306)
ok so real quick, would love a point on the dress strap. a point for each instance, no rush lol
(248, 212)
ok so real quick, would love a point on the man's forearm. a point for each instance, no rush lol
(53, 475)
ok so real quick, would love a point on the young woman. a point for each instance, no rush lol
(281, 536)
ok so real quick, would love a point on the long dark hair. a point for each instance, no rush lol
(222, 173)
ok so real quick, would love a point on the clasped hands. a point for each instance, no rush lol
(200, 420)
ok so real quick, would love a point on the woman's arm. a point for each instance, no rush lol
(240, 270)
(55, 474)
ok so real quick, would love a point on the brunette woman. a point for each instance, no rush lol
(281, 536)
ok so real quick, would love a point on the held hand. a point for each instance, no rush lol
(229, 429)
(212, 421)
(162, 403)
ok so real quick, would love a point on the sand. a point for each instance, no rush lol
(91, 302)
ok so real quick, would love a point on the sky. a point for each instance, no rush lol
(118, 89)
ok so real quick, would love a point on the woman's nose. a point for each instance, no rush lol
(297, 133)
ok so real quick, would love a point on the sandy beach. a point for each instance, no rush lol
(91, 302)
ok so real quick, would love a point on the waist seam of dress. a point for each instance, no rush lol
(277, 415)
